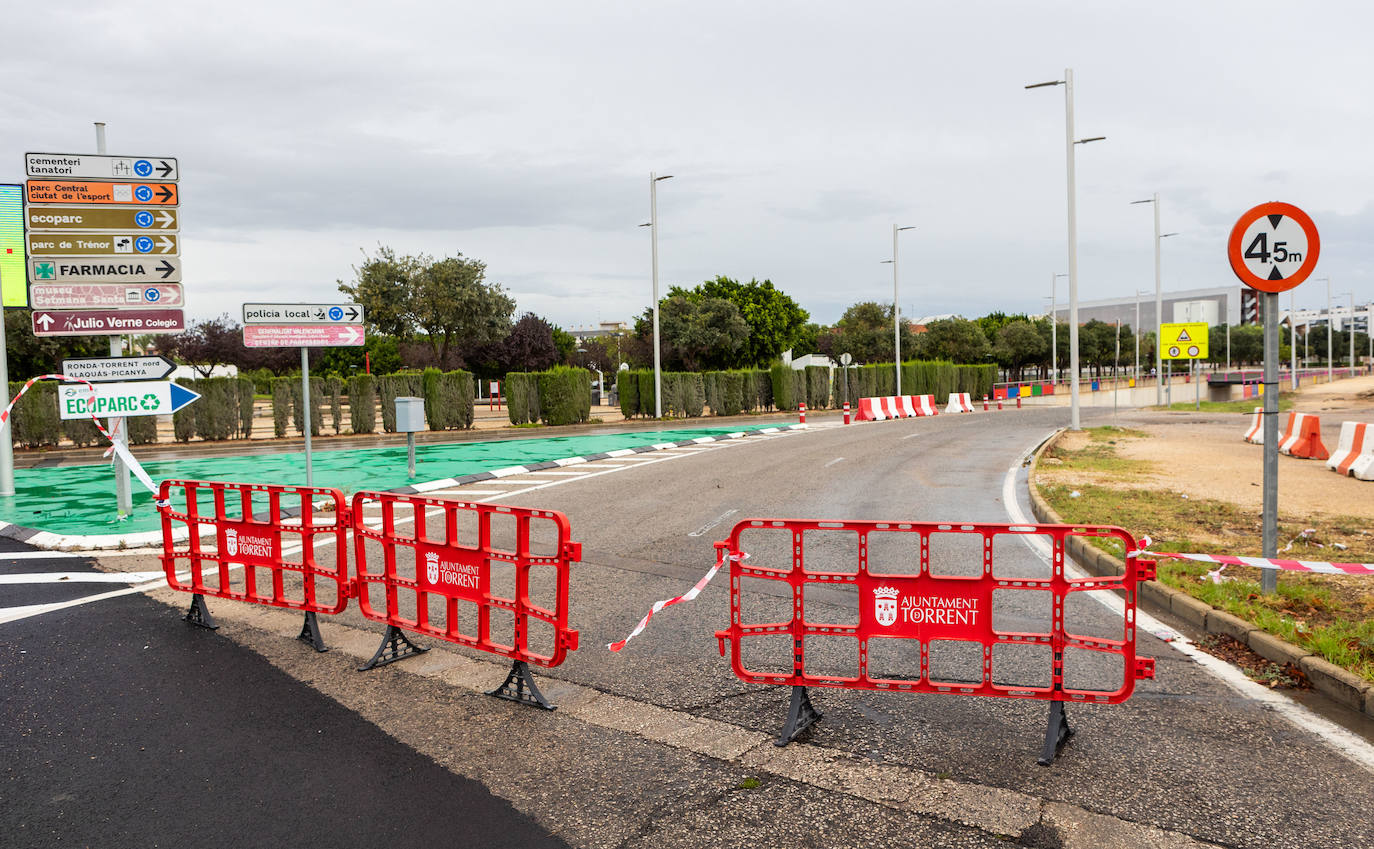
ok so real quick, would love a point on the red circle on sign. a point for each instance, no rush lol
(1235, 250)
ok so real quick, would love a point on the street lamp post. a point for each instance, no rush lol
(1159, 302)
(1292, 338)
(654, 180)
(1351, 332)
(1329, 321)
(1069, 143)
(896, 309)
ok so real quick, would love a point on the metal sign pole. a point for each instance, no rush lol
(1269, 579)
(7, 440)
(118, 426)
(305, 412)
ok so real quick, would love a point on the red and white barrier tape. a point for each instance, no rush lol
(1261, 562)
(687, 596)
(116, 446)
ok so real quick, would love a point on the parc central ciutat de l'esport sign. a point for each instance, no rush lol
(102, 236)
(302, 325)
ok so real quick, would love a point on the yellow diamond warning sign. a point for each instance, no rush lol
(1183, 341)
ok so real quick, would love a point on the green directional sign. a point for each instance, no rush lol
(143, 398)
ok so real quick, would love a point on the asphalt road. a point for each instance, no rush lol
(1186, 757)
(123, 727)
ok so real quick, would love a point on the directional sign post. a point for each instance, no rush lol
(101, 244)
(59, 296)
(107, 322)
(162, 269)
(1273, 247)
(110, 369)
(146, 398)
(89, 166)
(305, 326)
(42, 218)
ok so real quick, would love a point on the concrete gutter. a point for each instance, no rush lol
(1345, 688)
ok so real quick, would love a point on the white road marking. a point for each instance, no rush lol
(711, 524)
(81, 577)
(834, 461)
(1351, 745)
(911, 436)
(52, 555)
(461, 490)
(511, 481)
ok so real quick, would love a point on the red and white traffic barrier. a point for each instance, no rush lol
(1256, 432)
(846, 412)
(1303, 438)
(959, 403)
(801, 411)
(925, 405)
(1354, 443)
(1259, 562)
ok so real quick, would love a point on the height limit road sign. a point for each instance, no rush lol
(1273, 247)
(1183, 341)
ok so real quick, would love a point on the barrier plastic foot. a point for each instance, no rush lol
(1057, 734)
(199, 614)
(519, 687)
(310, 633)
(801, 715)
(392, 649)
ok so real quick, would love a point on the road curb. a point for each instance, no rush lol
(1341, 686)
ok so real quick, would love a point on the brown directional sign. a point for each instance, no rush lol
(107, 322)
(90, 244)
(102, 193)
(119, 219)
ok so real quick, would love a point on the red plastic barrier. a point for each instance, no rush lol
(454, 570)
(908, 612)
(281, 546)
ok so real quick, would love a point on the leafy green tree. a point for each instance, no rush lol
(955, 339)
(775, 321)
(697, 334)
(566, 343)
(1019, 344)
(865, 331)
(448, 299)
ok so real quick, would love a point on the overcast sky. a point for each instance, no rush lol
(798, 133)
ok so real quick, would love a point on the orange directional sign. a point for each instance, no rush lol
(85, 191)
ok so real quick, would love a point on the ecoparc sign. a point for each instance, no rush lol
(117, 400)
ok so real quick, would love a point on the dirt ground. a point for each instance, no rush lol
(1203, 455)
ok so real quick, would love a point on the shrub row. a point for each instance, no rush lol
(919, 377)
(562, 395)
(688, 394)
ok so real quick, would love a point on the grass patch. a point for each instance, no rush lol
(1247, 406)
(1331, 616)
(1099, 455)
(749, 784)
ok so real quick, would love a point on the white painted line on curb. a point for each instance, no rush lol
(834, 461)
(711, 524)
(1351, 745)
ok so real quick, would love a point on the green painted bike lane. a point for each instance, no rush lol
(80, 500)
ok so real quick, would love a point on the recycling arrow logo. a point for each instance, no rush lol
(149, 402)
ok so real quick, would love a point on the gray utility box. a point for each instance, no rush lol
(410, 414)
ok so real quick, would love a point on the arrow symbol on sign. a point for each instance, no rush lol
(164, 168)
(45, 320)
(353, 335)
(353, 314)
(165, 219)
(166, 245)
(166, 268)
(181, 396)
(164, 194)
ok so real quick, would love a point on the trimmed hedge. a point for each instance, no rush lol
(789, 386)
(362, 404)
(448, 399)
(565, 395)
(627, 390)
(522, 397)
(281, 405)
(333, 393)
(919, 377)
